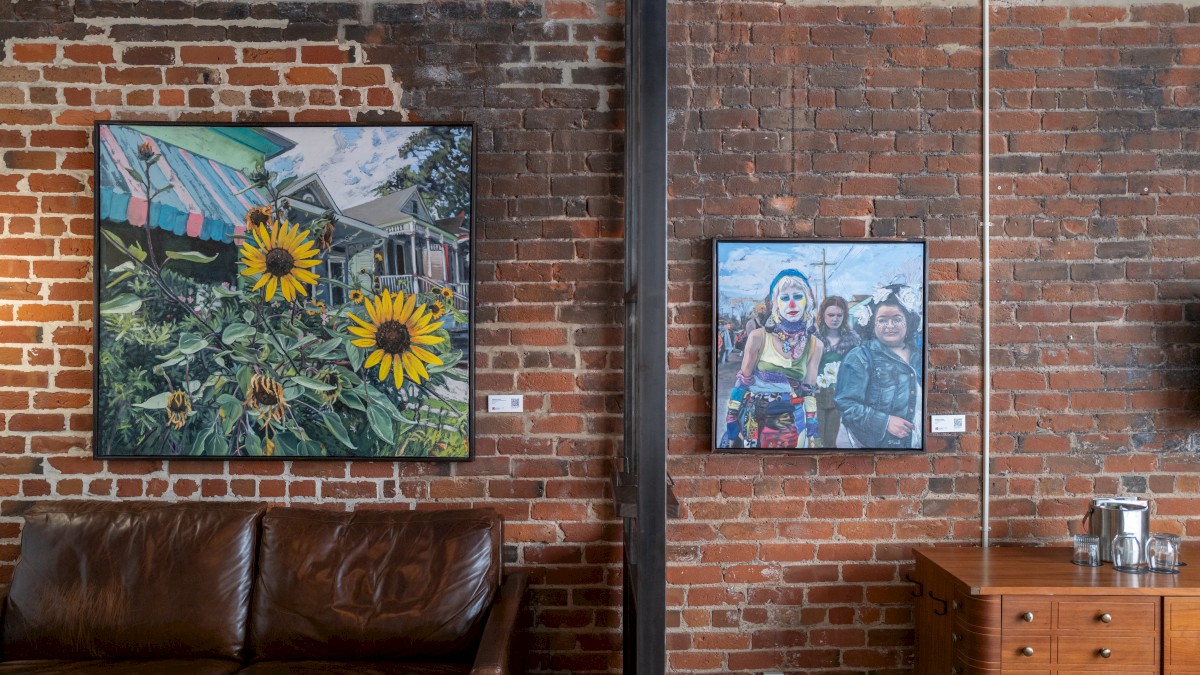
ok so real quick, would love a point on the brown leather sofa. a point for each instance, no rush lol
(213, 589)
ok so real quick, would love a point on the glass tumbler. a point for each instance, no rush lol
(1087, 550)
(1127, 554)
(1162, 553)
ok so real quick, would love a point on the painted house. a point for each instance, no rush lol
(422, 252)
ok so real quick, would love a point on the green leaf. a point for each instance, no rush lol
(236, 331)
(312, 383)
(217, 446)
(190, 256)
(243, 379)
(230, 412)
(254, 446)
(156, 402)
(325, 349)
(190, 343)
(125, 303)
(200, 442)
(137, 175)
(356, 354)
(353, 400)
(381, 423)
(223, 292)
(123, 277)
(137, 252)
(335, 427)
(161, 190)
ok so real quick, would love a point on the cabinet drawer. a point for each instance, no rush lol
(1025, 612)
(1182, 614)
(1013, 651)
(1123, 651)
(1182, 651)
(1122, 614)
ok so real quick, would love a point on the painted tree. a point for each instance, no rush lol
(442, 167)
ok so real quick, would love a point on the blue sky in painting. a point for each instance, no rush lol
(745, 268)
(351, 161)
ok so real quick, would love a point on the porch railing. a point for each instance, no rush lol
(411, 283)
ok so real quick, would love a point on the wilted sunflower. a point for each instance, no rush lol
(331, 378)
(179, 406)
(258, 217)
(282, 257)
(398, 333)
(357, 296)
(266, 396)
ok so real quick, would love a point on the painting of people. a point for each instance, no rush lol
(283, 291)
(818, 345)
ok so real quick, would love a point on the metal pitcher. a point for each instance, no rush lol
(1109, 516)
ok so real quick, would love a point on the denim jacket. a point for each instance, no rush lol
(873, 383)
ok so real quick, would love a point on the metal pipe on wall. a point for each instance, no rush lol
(986, 419)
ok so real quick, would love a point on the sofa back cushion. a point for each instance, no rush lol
(374, 584)
(101, 580)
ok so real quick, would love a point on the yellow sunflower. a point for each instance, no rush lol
(447, 293)
(357, 296)
(282, 257)
(398, 333)
(436, 309)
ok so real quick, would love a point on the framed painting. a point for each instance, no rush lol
(818, 345)
(284, 291)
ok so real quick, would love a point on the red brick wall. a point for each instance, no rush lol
(841, 121)
(810, 120)
(540, 79)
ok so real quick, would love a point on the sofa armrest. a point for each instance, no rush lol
(493, 657)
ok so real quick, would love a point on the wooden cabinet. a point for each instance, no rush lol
(1029, 611)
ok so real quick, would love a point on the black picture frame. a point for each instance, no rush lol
(783, 381)
(284, 291)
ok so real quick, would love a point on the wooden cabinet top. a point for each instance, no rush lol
(1022, 570)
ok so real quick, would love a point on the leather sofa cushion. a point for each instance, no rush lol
(101, 580)
(367, 585)
(354, 668)
(117, 667)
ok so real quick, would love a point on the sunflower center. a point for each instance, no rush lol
(392, 337)
(265, 396)
(178, 403)
(280, 262)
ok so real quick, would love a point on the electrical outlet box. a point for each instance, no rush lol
(772, 672)
(948, 424)
(505, 403)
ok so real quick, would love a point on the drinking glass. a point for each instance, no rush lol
(1087, 550)
(1127, 553)
(1162, 553)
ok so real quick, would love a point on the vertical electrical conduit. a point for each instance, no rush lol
(986, 421)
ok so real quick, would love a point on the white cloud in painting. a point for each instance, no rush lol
(351, 161)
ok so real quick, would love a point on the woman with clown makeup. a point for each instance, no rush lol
(772, 403)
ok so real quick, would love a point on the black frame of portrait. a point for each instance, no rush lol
(821, 260)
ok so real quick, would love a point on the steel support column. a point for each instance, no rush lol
(645, 470)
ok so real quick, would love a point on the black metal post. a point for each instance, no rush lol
(645, 583)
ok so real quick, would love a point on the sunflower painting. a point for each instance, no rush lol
(284, 291)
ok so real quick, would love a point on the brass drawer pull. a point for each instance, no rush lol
(1028, 651)
(1027, 617)
(1105, 652)
(1105, 618)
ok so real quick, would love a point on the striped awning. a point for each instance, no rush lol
(206, 199)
